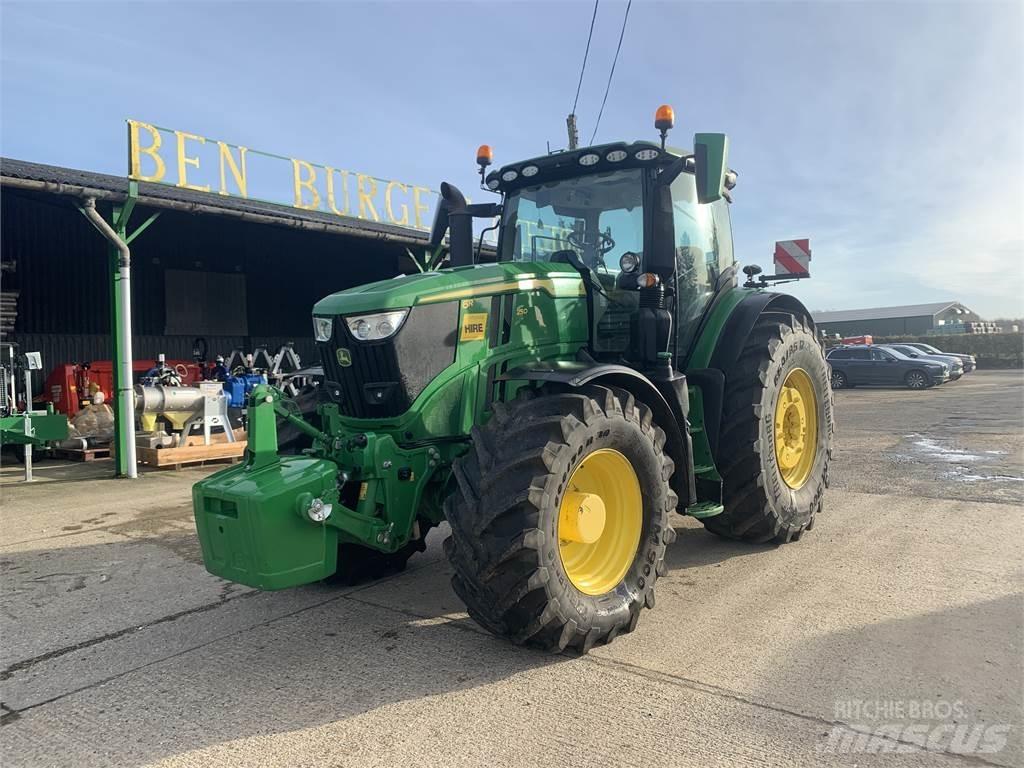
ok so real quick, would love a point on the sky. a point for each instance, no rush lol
(890, 134)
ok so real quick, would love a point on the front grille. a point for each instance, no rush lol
(383, 378)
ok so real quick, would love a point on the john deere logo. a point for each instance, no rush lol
(344, 357)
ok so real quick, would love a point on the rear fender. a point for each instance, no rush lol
(720, 345)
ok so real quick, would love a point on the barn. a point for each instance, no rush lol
(906, 320)
(237, 274)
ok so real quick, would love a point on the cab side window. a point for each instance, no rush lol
(859, 354)
(697, 257)
(723, 231)
(877, 354)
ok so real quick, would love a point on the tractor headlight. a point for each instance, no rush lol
(322, 328)
(318, 511)
(377, 326)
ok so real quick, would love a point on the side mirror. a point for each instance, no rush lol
(711, 155)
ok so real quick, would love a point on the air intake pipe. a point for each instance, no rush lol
(460, 225)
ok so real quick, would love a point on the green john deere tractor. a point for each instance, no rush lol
(555, 407)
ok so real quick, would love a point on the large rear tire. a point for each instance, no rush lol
(776, 439)
(560, 521)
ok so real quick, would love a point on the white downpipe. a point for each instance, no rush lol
(125, 394)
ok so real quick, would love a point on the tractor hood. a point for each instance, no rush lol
(558, 280)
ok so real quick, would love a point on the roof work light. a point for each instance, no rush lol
(664, 119)
(484, 157)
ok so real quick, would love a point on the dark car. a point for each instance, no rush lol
(969, 361)
(956, 365)
(862, 364)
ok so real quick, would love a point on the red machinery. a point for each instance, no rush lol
(856, 340)
(72, 385)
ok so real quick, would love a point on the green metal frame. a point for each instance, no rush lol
(36, 428)
(119, 220)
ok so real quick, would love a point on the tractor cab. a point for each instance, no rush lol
(646, 226)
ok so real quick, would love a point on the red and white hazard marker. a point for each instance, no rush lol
(793, 257)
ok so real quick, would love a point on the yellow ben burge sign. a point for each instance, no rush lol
(190, 161)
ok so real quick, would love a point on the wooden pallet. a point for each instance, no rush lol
(191, 454)
(82, 454)
(194, 451)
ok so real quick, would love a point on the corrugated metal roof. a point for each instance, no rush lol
(152, 194)
(885, 313)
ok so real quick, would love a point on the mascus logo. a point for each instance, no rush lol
(344, 357)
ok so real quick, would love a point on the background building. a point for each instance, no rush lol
(239, 273)
(909, 320)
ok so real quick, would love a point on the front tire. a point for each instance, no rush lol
(532, 561)
(776, 439)
(917, 380)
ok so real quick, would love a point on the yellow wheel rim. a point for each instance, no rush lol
(599, 522)
(796, 428)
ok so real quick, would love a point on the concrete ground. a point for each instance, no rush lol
(897, 622)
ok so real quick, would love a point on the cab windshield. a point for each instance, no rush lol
(599, 217)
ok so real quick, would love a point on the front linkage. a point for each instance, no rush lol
(275, 521)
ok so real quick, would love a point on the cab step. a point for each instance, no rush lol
(705, 509)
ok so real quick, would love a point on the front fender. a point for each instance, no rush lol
(672, 419)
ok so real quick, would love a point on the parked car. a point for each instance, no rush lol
(969, 361)
(956, 365)
(862, 364)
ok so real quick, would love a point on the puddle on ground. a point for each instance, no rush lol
(962, 476)
(968, 467)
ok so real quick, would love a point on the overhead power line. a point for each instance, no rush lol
(618, 48)
(585, 54)
(570, 121)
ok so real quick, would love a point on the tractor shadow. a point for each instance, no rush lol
(160, 682)
(156, 681)
(695, 547)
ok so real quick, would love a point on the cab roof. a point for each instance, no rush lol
(601, 158)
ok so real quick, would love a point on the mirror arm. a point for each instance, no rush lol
(677, 166)
(484, 210)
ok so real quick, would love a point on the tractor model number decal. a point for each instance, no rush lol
(474, 325)
(344, 357)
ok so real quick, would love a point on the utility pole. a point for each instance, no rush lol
(574, 135)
